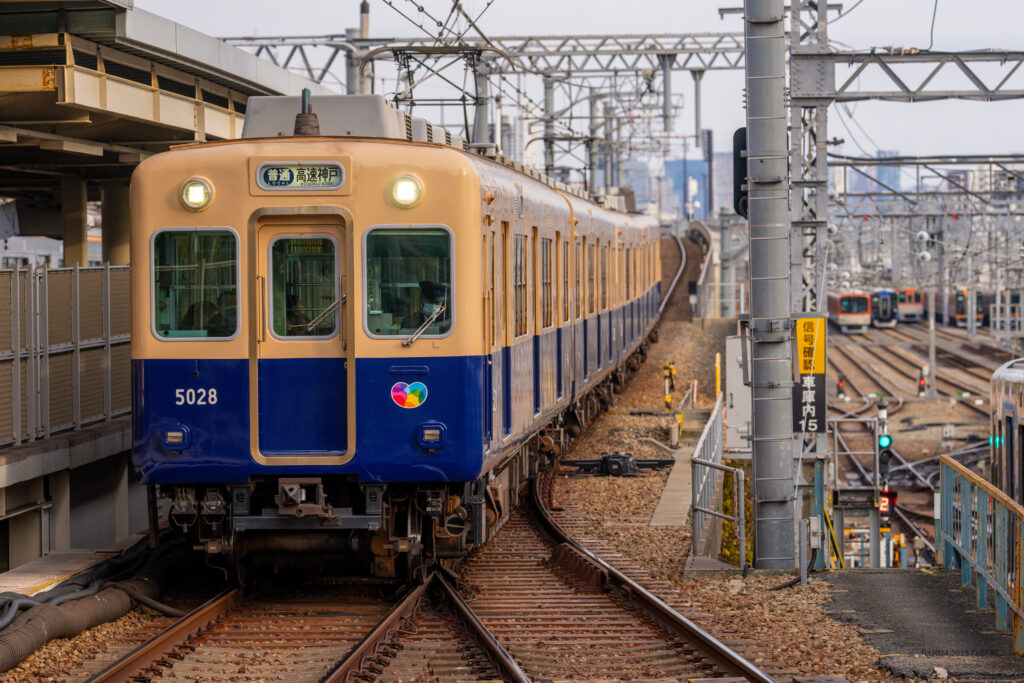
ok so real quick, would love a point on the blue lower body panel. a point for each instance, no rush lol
(305, 414)
(303, 405)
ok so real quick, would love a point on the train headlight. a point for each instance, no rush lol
(406, 192)
(196, 194)
(432, 435)
(176, 437)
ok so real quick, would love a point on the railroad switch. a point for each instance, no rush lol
(617, 464)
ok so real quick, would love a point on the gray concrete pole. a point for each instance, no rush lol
(366, 81)
(352, 58)
(697, 75)
(549, 125)
(609, 134)
(932, 393)
(594, 149)
(481, 112)
(771, 346)
(666, 62)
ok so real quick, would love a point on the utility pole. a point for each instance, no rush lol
(481, 112)
(594, 149)
(771, 345)
(609, 132)
(549, 125)
(356, 84)
(931, 344)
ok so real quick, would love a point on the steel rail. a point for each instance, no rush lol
(499, 656)
(679, 274)
(144, 656)
(717, 652)
(367, 647)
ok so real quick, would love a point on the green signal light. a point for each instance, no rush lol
(884, 441)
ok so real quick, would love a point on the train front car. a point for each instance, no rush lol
(301, 342)
(1006, 451)
(884, 308)
(850, 312)
(910, 306)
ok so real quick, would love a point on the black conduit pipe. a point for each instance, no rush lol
(68, 614)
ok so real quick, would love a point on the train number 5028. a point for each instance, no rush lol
(195, 397)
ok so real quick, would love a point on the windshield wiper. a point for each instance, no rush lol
(323, 314)
(441, 308)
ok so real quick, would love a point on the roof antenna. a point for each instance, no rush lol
(306, 122)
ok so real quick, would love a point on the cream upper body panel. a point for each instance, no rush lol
(450, 199)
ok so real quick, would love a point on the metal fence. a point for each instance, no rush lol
(706, 505)
(980, 531)
(65, 358)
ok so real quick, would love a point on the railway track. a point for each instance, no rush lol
(902, 381)
(531, 604)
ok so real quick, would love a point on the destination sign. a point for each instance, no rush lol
(300, 176)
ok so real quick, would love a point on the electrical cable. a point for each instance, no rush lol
(810, 570)
(931, 36)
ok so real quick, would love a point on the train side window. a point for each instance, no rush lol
(408, 279)
(629, 273)
(590, 279)
(546, 295)
(519, 283)
(579, 280)
(565, 281)
(604, 278)
(303, 287)
(195, 284)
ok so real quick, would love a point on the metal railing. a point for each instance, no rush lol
(980, 531)
(64, 355)
(706, 506)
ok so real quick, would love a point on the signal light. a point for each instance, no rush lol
(996, 441)
(954, 217)
(884, 441)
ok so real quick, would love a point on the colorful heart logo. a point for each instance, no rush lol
(409, 395)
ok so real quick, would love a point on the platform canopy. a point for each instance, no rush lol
(91, 87)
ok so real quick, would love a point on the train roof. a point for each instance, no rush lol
(1011, 372)
(842, 294)
(373, 116)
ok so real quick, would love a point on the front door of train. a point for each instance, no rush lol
(300, 388)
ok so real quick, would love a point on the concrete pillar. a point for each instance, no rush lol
(122, 502)
(60, 513)
(116, 246)
(76, 242)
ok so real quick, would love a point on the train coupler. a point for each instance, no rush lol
(302, 498)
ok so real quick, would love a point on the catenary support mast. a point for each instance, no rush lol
(771, 347)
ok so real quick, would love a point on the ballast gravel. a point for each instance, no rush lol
(790, 627)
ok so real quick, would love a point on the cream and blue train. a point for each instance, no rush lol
(364, 342)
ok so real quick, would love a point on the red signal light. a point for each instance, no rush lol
(955, 217)
(865, 217)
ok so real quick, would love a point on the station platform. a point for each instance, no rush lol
(49, 570)
(922, 620)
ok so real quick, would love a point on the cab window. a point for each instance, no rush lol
(303, 287)
(408, 282)
(195, 284)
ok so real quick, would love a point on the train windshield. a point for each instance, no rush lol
(903, 297)
(853, 304)
(408, 277)
(195, 284)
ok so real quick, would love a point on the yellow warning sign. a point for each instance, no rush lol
(810, 346)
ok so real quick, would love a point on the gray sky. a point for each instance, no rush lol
(924, 128)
